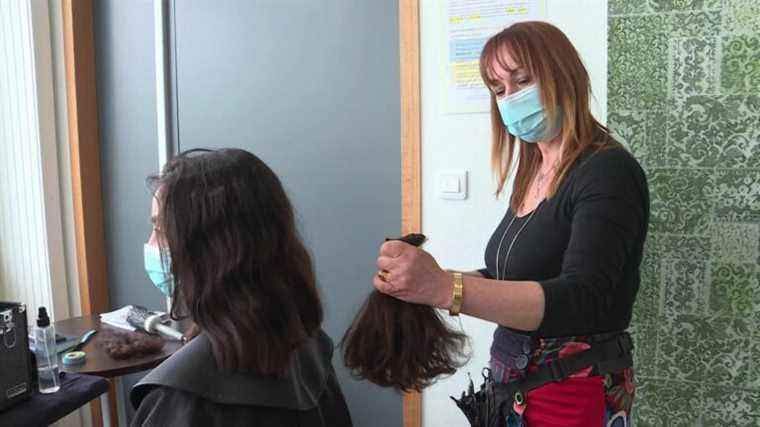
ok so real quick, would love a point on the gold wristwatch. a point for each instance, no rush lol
(457, 294)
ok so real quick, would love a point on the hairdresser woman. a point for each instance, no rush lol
(562, 267)
(225, 230)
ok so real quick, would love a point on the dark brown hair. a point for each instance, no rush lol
(240, 268)
(120, 344)
(556, 68)
(393, 343)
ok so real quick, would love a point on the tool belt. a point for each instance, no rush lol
(605, 357)
(492, 404)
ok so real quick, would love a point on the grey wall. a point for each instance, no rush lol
(126, 108)
(311, 87)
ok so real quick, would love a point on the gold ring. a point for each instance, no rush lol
(384, 275)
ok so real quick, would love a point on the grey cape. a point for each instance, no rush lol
(188, 389)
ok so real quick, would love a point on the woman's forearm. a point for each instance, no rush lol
(518, 305)
(412, 275)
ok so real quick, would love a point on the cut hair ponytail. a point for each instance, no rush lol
(397, 344)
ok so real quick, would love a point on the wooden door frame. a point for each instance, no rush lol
(79, 56)
(411, 183)
(79, 52)
(84, 143)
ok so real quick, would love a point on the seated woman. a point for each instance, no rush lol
(224, 246)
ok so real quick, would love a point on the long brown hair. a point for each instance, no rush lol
(239, 265)
(397, 344)
(555, 66)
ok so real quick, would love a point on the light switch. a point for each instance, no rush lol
(452, 184)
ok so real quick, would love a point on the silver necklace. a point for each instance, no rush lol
(512, 243)
(540, 180)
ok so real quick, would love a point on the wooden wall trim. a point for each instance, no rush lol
(411, 188)
(79, 58)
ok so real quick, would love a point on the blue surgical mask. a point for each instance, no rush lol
(524, 116)
(158, 271)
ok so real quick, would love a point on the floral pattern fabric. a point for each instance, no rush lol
(683, 97)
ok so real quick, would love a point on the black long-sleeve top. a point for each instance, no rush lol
(583, 246)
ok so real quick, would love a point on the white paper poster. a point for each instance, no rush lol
(467, 26)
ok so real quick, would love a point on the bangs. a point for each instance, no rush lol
(495, 51)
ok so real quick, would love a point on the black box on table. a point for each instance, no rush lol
(16, 370)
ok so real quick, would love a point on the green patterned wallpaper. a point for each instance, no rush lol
(684, 95)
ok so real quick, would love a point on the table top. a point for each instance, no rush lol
(101, 364)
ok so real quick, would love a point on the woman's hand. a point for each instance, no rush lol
(412, 275)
